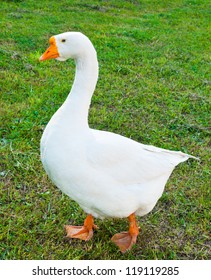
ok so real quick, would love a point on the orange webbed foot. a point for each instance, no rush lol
(84, 232)
(125, 240)
(80, 232)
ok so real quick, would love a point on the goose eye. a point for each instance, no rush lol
(63, 40)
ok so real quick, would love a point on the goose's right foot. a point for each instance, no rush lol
(84, 232)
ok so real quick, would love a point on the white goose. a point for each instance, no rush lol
(107, 174)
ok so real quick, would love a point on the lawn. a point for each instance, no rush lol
(153, 87)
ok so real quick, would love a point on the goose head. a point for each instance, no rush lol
(67, 45)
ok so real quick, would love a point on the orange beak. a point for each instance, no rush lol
(51, 52)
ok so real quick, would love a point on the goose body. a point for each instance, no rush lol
(107, 174)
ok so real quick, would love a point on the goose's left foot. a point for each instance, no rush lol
(84, 232)
(125, 240)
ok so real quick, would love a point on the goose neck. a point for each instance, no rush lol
(83, 87)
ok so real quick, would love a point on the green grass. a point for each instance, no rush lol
(153, 87)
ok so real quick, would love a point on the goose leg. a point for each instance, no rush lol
(125, 240)
(84, 232)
